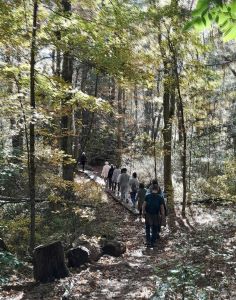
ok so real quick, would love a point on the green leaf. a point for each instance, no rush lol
(202, 7)
(230, 34)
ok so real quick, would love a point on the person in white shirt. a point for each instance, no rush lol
(105, 171)
(115, 176)
(134, 186)
(123, 180)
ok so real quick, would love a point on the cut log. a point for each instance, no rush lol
(77, 256)
(49, 262)
(113, 248)
(3, 246)
(95, 251)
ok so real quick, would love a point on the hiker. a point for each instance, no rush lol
(104, 173)
(154, 181)
(110, 174)
(134, 185)
(153, 209)
(123, 180)
(83, 160)
(115, 182)
(141, 197)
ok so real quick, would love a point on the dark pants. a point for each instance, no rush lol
(152, 223)
(83, 165)
(151, 238)
(110, 183)
(132, 196)
(114, 185)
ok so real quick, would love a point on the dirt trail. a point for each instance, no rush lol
(135, 276)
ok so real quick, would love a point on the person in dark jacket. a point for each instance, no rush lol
(153, 209)
(141, 197)
(110, 173)
(83, 160)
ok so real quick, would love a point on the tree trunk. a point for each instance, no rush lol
(66, 119)
(85, 115)
(92, 116)
(136, 105)
(168, 104)
(154, 135)
(182, 131)
(58, 56)
(17, 141)
(31, 130)
(168, 113)
(49, 262)
(119, 126)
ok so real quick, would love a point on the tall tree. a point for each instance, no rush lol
(32, 128)
(66, 119)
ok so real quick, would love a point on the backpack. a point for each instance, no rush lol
(133, 187)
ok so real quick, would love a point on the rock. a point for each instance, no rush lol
(49, 262)
(3, 246)
(113, 248)
(77, 256)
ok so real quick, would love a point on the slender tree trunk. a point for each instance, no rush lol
(182, 129)
(168, 104)
(155, 132)
(89, 129)
(190, 164)
(119, 126)
(136, 105)
(112, 93)
(31, 129)
(58, 55)
(168, 113)
(85, 115)
(17, 141)
(66, 119)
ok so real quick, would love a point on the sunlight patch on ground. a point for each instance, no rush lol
(136, 253)
(14, 297)
(141, 293)
(94, 177)
(79, 179)
(206, 219)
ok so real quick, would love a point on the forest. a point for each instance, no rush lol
(148, 86)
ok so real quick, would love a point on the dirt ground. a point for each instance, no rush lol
(198, 261)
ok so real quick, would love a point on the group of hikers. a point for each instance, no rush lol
(151, 203)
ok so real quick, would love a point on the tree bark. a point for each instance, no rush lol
(119, 126)
(182, 129)
(168, 114)
(66, 119)
(17, 141)
(31, 129)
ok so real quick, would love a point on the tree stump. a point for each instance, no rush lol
(113, 248)
(77, 256)
(3, 246)
(49, 262)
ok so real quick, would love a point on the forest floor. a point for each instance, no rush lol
(197, 261)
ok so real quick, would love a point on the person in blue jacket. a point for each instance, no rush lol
(153, 208)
